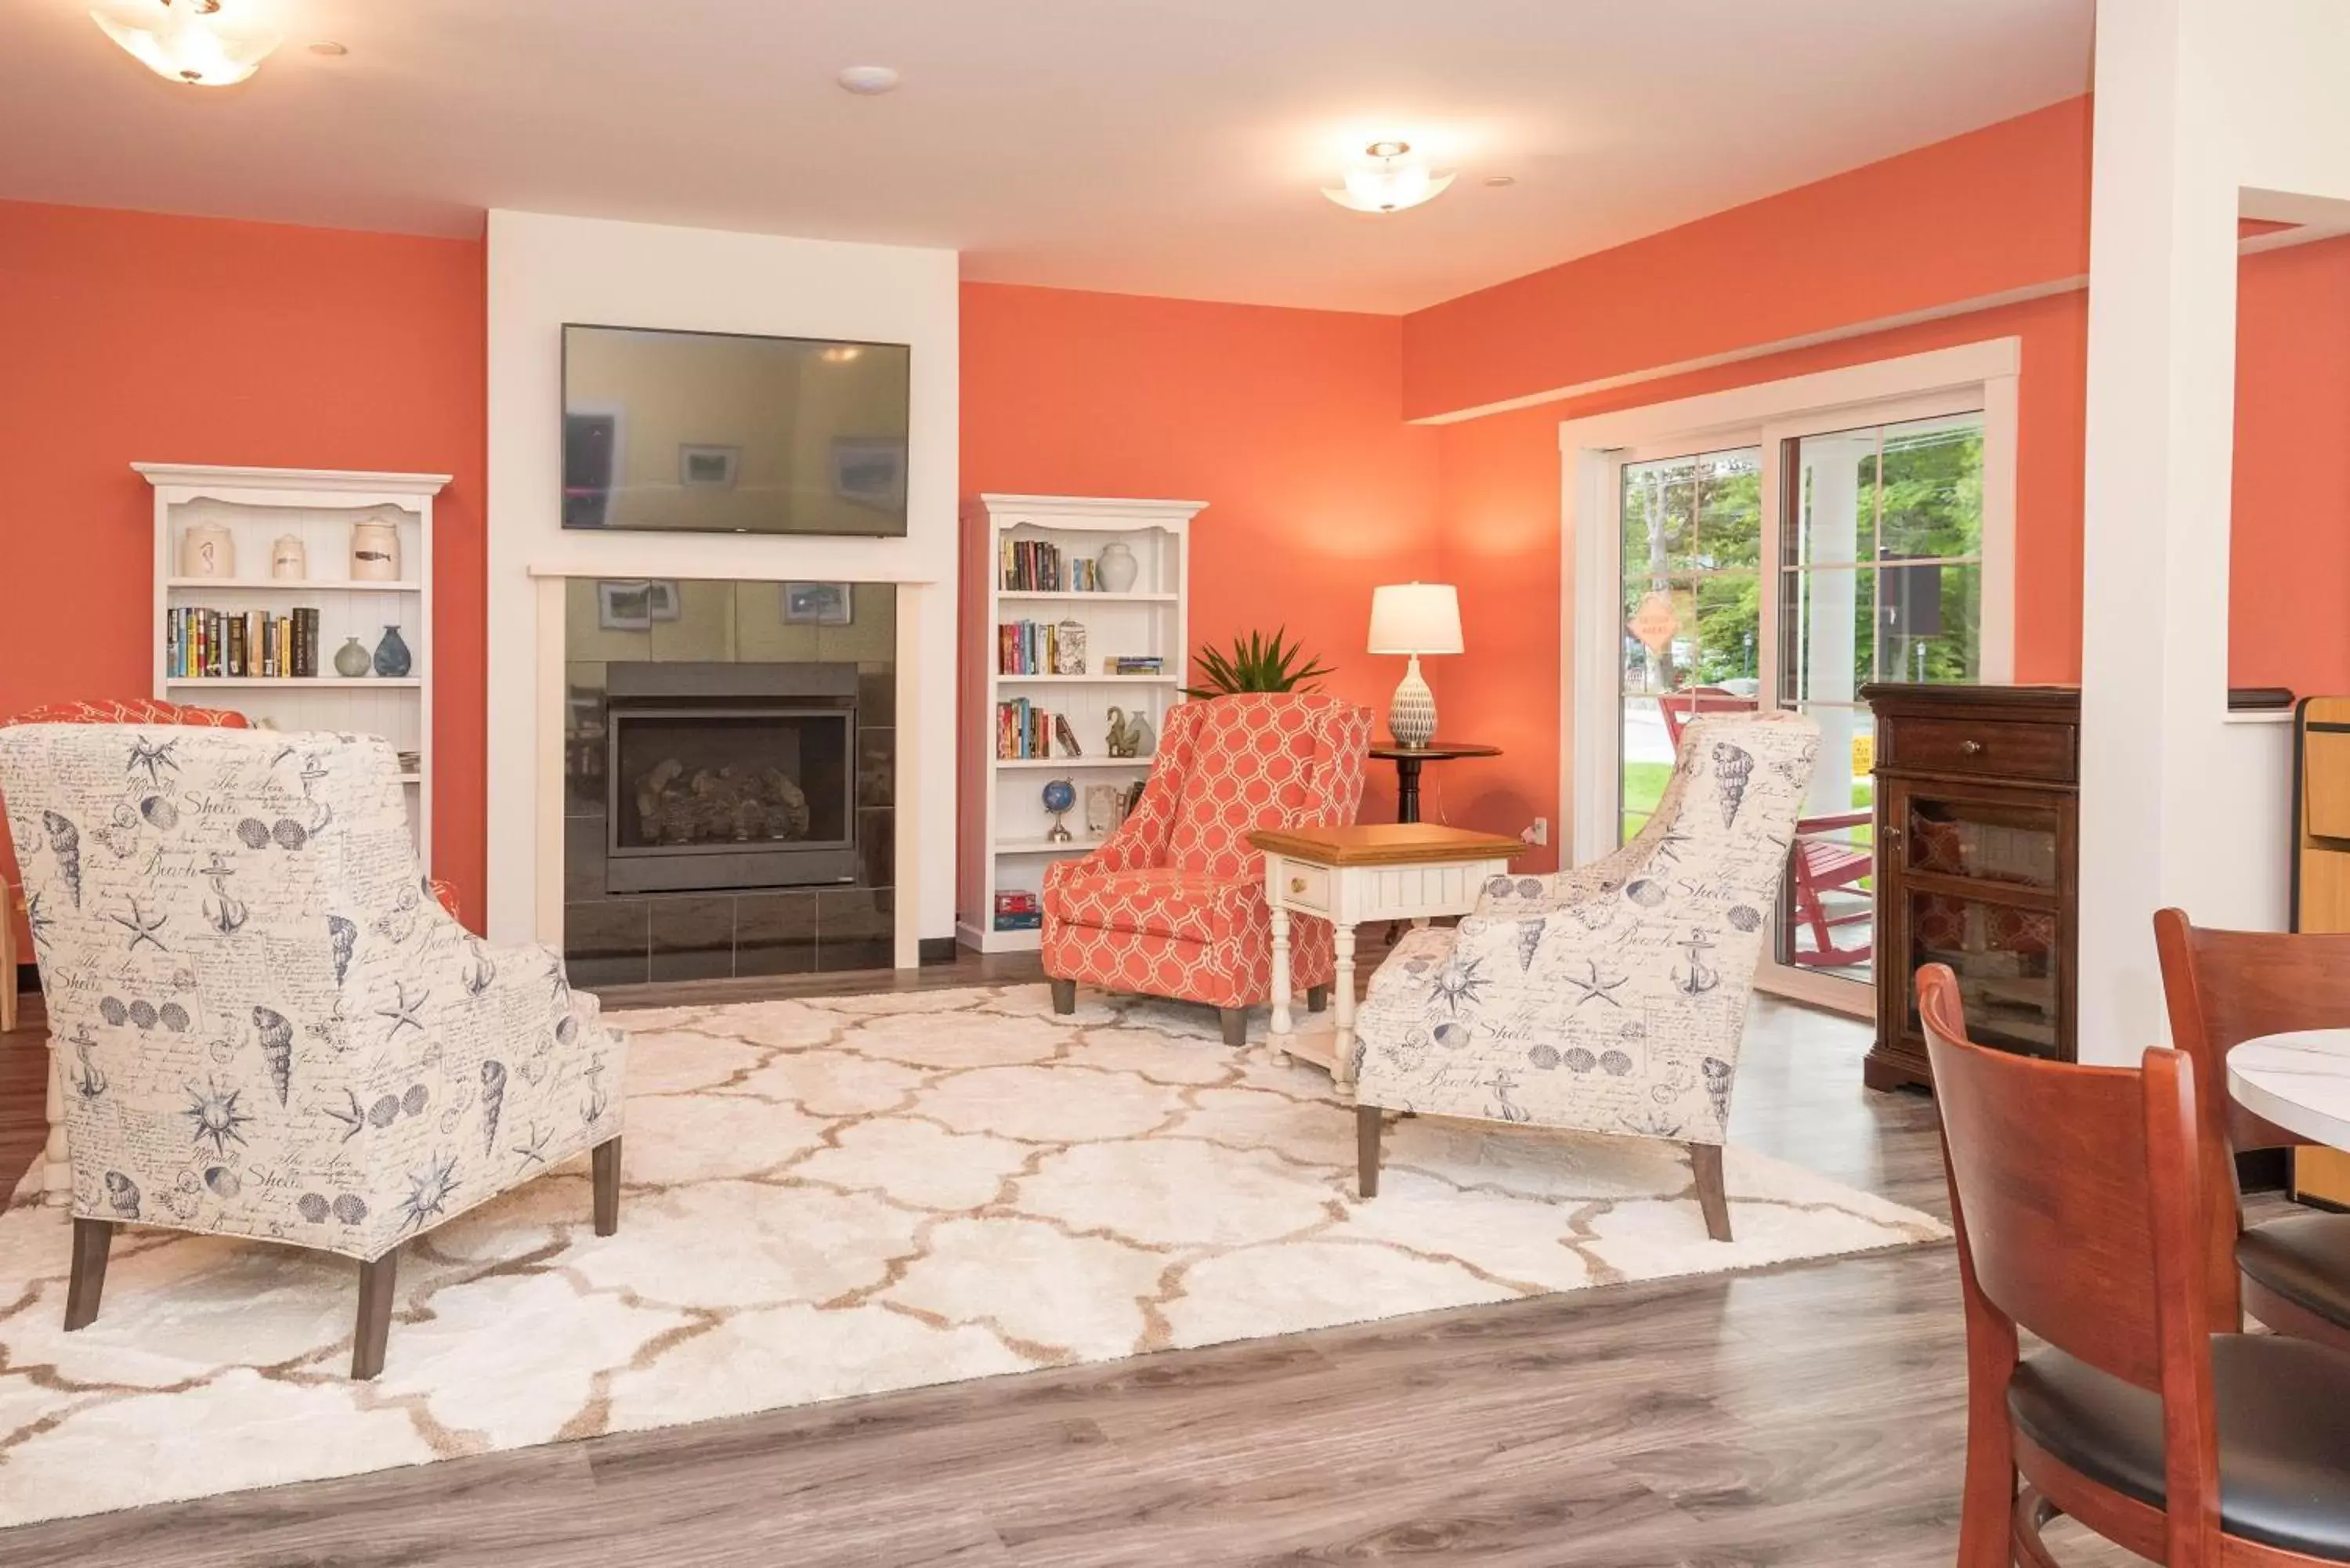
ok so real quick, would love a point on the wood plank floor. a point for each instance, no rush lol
(1809, 1415)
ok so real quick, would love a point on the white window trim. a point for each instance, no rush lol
(1825, 400)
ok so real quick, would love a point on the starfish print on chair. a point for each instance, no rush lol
(1595, 989)
(403, 1011)
(140, 928)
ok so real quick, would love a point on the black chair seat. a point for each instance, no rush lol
(2284, 1431)
(2305, 1259)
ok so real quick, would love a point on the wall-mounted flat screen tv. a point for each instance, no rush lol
(710, 433)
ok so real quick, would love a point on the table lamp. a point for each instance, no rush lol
(1414, 619)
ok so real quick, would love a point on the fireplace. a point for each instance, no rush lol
(724, 776)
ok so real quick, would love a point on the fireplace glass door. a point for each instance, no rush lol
(738, 797)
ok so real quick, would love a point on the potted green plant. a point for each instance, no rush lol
(1256, 664)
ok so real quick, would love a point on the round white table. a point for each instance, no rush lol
(2300, 1081)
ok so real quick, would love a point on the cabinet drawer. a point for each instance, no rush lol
(1982, 747)
(1304, 886)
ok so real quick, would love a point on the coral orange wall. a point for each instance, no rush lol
(2288, 572)
(1285, 421)
(135, 338)
(2003, 208)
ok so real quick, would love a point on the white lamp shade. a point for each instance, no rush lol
(1414, 618)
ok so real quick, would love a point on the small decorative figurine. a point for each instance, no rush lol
(1119, 741)
(1060, 794)
(288, 560)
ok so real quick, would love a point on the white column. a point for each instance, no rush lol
(2164, 817)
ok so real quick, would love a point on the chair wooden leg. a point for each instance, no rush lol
(7, 959)
(374, 1330)
(1065, 996)
(1367, 1123)
(1317, 997)
(605, 1158)
(90, 1239)
(1705, 1161)
(1235, 1021)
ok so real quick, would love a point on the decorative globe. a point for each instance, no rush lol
(1060, 794)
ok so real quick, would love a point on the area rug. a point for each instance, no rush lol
(840, 1197)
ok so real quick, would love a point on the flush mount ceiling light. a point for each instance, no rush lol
(1389, 179)
(181, 40)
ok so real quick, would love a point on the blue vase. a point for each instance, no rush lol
(391, 660)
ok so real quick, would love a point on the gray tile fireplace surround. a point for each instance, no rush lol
(697, 630)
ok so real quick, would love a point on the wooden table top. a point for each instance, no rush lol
(1434, 752)
(1384, 844)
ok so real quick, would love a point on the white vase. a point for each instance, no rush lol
(375, 553)
(1116, 568)
(288, 560)
(206, 550)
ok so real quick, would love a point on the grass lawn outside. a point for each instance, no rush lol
(1644, 786)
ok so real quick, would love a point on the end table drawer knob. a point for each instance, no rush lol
(1297, 884)
(1972, 748)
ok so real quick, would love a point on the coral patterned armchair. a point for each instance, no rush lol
(275, 1030)
(1173, 903)
(1610, 998)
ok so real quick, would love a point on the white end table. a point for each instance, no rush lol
(1348, 875)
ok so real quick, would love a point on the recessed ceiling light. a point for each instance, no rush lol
(1498, 180)
(868, 81)
(328, 48)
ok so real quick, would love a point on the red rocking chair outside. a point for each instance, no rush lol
(1823, 864)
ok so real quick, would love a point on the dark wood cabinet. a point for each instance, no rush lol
(1977, 865)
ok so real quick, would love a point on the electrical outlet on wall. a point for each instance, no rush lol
(1539, 833)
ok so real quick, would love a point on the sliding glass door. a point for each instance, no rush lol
(1873, 534)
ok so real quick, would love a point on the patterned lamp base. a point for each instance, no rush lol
(1411, 711)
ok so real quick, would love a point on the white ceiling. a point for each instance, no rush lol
(1141, 146)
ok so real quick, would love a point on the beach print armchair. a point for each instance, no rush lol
(273, 1029)
(1173, 903)
(1610, 998)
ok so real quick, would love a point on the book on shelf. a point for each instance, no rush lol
(1040, 647)
(1039, 566)
(1136, 664)
(1018, 911)
(203, 644)
(1024, 731)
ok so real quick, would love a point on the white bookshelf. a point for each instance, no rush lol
(1004, 823)
(318, 506)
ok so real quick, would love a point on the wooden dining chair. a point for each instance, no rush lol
(2224, 988)
(2076, 1194)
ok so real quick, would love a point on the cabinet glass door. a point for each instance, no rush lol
(1988, 910)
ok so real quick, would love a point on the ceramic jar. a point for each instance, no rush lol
(1116, 568)
(207, 550)
(375, 553)
(288, 560)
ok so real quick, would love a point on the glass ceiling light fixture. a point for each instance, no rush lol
(179, 40)
(1388, 180)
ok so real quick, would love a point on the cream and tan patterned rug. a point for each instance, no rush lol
(840, 1197)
